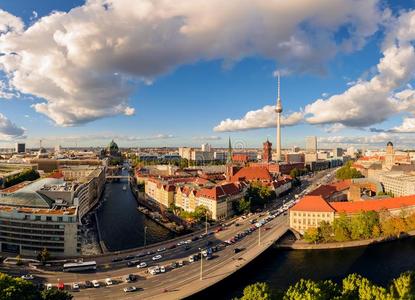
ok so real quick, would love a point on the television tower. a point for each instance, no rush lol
(278, 110)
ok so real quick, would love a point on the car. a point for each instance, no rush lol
(161, 249)
(129, 257)
(187, 247)
(142, 265)
(129, 278)
(130, 289)
(116, 259)
(49, 286)
(181, 243)
(188, 241)
(140, 255)
(28, 277)
(218, 229)
(95, 283)
(157, 257)
(108, 281)
(236, 224)
(162, 269)
(174, 265)
(180, 263)
(88, 284)
(191, 259)
(154, 270)
(75, 286)
(237, 250)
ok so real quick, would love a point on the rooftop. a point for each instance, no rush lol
(313, 203)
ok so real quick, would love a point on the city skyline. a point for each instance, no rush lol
(351, 84)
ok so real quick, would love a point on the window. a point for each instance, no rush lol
(37, 218)
(48, 218)
(60, 219)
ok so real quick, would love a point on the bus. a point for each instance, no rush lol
(80, 266)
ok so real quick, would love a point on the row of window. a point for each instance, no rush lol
(47, 232)
(32, 237)
(31, 225)
(318, 215)
(41, 244)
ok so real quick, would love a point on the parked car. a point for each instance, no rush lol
(88, 284)
(237, 250)
(161, 249)
(49, 286)
(162, 269)
(75, 286)
(95, 283)
(28, 277)
(108, 281)
(142, 265)
(129, 278)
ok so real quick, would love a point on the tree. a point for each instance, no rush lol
(348, 172)
(341, 228)
(257, 291)
(242, 206)
(309, 289)
(294, 173)
(201, 212)
(12, 288)
(403, 287)
(43, 255)
(325, 231)
(55, 294)
(312, 235)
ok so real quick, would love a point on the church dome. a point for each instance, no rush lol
(113, 146)
(389, 144)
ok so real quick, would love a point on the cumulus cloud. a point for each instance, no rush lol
(84, 64)
(261, 118)
(10, 131)
(372, 101)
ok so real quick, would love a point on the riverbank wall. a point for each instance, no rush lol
(302, 245)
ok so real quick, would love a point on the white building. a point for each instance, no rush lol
(311, 144)
(206, 147)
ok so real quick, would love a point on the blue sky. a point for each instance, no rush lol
(179, 97)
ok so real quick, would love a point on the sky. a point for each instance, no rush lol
(183, 73)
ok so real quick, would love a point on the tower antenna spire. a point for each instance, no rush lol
(279, 86)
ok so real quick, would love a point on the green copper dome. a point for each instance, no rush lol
(113, 146)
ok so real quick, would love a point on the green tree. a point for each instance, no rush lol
(325, 230)
(312, 235)
(348, 172)
(201, 212)
(43, 255)
(403, 287)
(309, 289)
(341, 228)
(242, 206)
(294, 173)
(16, 288)
(55, 294)
(257, 291)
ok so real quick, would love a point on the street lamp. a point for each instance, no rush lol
(206, 226)
(145, 235)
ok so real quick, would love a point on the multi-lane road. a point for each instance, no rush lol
(175, 283)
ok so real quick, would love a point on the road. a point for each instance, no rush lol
(165, 285)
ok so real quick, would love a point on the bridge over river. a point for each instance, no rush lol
(181, 282)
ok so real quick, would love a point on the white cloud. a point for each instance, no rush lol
(208, 138)
(261, 118)
(379, 139)
(8, 130)
(69, 59)
(372, 101)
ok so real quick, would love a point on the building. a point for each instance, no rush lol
(206, 147)
(337, 152)
(311, 144)
(397, 183)
(267, 151)
(295, 149)
(20, 148)
(294, 157)
(40, 215)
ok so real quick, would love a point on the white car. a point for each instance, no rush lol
(130, 289)
(49, 286)
(157, 257)
(142, 265)
(161, 249)
(95, 283)
(162, 269)
(75, 286)
(108, 281)
(154, 270)
(28, 277)
(188, 241)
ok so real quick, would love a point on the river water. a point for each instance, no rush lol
(121, 224)
(281, 268)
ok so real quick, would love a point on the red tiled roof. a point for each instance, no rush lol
(219, 191)
(312, 203)
(368, 205)
(252, 173)
(329, 189)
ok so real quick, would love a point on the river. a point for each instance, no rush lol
(281, 268)
(121, 224)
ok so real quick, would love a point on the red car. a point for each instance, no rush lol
(60, 286)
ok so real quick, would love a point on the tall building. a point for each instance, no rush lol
(390, 156)
(267, 151)
(337, 152)
(278, 110)
(311, 144)
(20, 147)
(206, 147)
